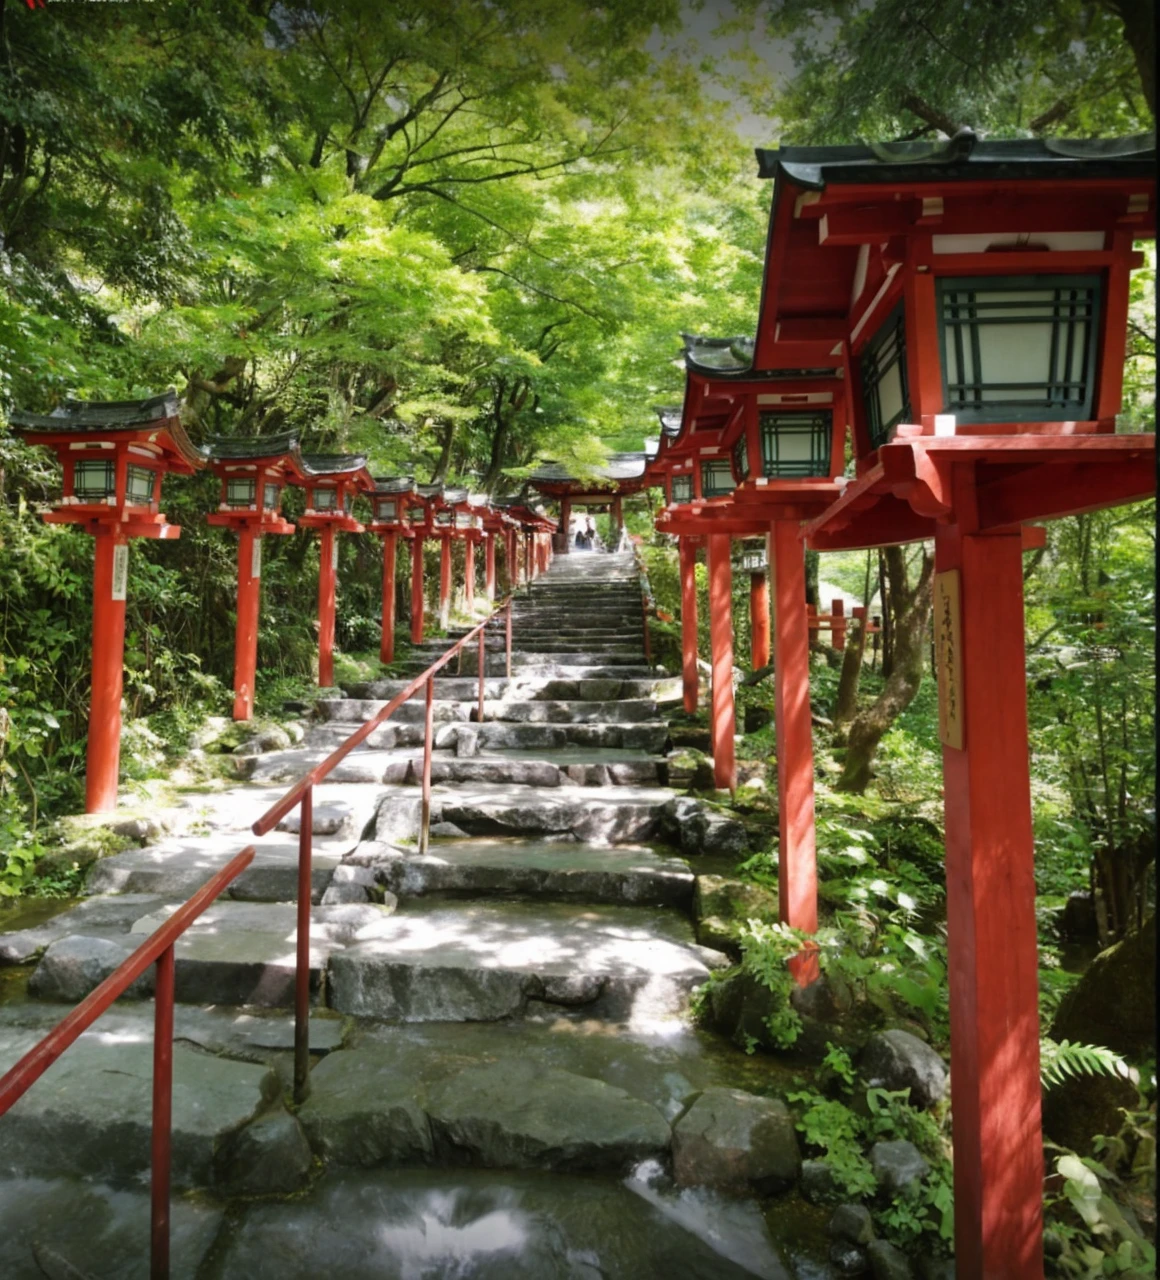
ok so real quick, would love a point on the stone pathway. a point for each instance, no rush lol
(510, 1004)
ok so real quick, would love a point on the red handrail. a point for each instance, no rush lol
(158, 947)
(302, 794)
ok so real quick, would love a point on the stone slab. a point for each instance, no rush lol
(477, 962)
(104, 916)
(366, 1225)
(516, 1115)
(89, 1114)
(177, 868)
(570, 870)
(102, 1231)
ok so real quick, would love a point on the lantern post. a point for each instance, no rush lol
(253, 473)
(332, 483)
(755, 562)
(985, 297)
(687, 553)
(114, 456)
(390, 501)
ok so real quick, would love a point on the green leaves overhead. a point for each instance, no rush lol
(454, 233)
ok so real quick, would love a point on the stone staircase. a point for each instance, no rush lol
(510, 1003)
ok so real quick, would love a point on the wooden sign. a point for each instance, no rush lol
(120, 571)
(948, 645)
(256, 558)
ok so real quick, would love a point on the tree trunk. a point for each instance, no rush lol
(846, 703)
(1139, 19)
(909, 612)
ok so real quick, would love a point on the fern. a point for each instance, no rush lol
(1063, 1060)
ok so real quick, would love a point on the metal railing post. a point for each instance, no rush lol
(508, 640)
(482, 670)
(428, 736)
(162, 1115)
(302, 967)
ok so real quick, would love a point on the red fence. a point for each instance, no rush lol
(157, 948)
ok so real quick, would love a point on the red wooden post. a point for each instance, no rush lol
(838, 623)
(246, 632)
(688, 565)
(327, 580)
(417, 603)
(444, 581)
(998, 1167)
(759, 619)
(387, 644)
(428, 735)
(797, 864)
(482, 671)
(469, 574)
(162, 1115)
(508, 641)
(302, 948)
(722, 720)
(111, 568)
(489, 567)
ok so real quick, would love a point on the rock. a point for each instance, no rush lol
(1079, 1108)
(827, 999)
(936, 1268)
(295, 730)
(817, 1182)
(721, 904)
(723, 835)
(686, 765)
(739, 1006)
(518, 1115)
(467, 741)
(848, 1259)
(360, 1112)
(736, 1141)
(897, 1165)
(898, 1060)
(352, 884)
(398, 819)
(269, 1157)
(699, 829)
(887, 1262)
(851, 1222)
(1126, 1020)
(74, 966)
(691, 736)
(210, 731)
(1079, 916)
(757, 717)
(328, 820)
(272, 738)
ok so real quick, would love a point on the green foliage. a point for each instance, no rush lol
(1063, 1060)
(766, 952)
(1098, 1237)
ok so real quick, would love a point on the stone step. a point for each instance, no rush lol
(486, 961)
(235, 953)
(534, 869)
(571, 662)
(363, 1224)
(176, 868)
(404, 765)
(379, 765)
(551, 688)
(88, 1117)
(354, 711)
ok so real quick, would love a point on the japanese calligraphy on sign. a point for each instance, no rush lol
(120, 572)
(948, 645)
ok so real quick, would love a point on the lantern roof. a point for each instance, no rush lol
(387, 485)
(670, 418)
(617, 466)
(333, 464)
(454, 497)
(252, 448)
(429, 491)
(962, 157)
(153, 414)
